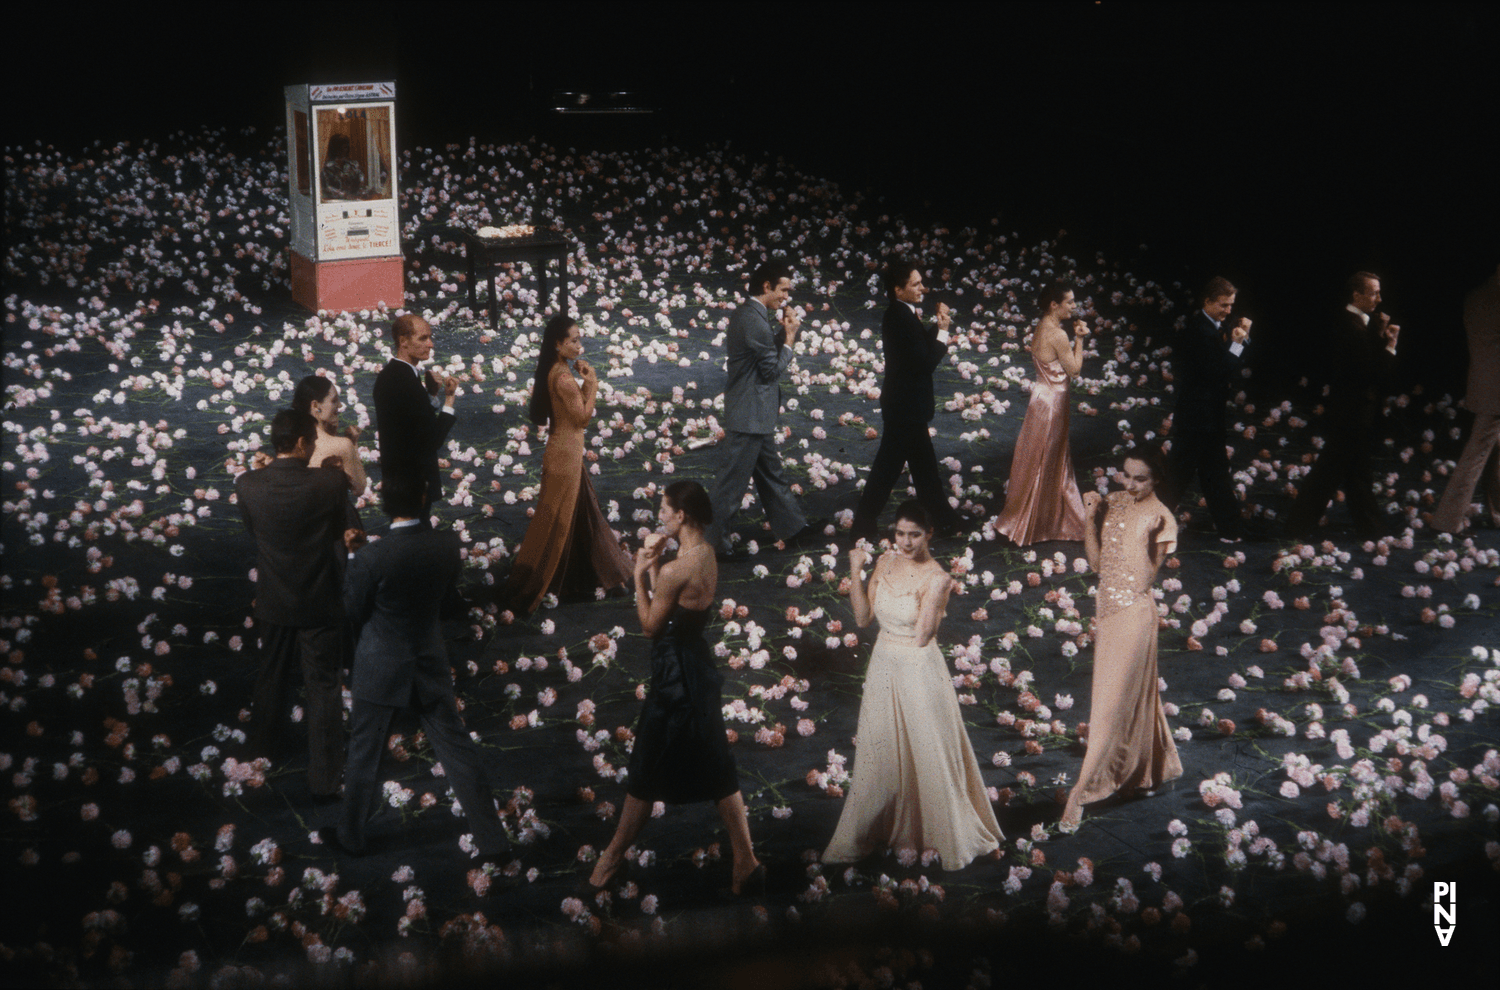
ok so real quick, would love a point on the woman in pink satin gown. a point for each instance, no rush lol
(1041, 498)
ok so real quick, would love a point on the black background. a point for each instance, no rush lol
(1283, 146)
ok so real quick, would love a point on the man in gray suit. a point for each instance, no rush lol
(752, 403)
(1480, 461)
(392, 594)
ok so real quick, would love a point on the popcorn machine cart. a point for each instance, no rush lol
(346, 235)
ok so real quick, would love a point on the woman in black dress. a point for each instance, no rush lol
(681, 753)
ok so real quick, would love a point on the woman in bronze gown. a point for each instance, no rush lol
(680, 754)
(569, 546)
(1130, 746)
(1041, 498)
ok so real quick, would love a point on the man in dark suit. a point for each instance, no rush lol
(1364, 358)
(392, 593)
(1205, 358)
(757, 358)
(296, 514)
(411, 430)
(912, 352)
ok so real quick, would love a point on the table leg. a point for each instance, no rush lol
(492, 272)
(473, 297)
(540, 264)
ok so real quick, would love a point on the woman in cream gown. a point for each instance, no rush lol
(1129, 743)
(916, 783)
(1041, 498)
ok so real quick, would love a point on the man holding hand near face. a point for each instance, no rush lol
(1205, 357)
(411, 430)
(1364, 357)
(757, 358)
(912, 352)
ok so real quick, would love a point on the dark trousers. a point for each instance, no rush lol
(1344, 463)
(1202, 454)
(463, 768)
(903, 445)
(319, 650)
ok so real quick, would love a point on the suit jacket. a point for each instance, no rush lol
(1482, 321)
(1362, 370)
(752, 395)
(1202, 367)
(411, 430)
(296, 514)
(392, 593)
(912, 352)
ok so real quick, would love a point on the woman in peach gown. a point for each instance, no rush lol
(916, 783)
(1041, 498)
(569, 546)
(1130, 746)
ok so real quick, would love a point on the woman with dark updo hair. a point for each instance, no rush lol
(319, 397)
(916, 781)
(681, 754)
(1130, 746)
(1041, 497)
(569, 546)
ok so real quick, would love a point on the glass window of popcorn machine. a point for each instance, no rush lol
(354, 161)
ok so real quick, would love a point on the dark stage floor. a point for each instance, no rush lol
(1331, 701)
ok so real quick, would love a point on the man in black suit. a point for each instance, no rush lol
(1205, 358)
(411, 430)
(1364, 358)
(392, 594)
(296, 514)
(912, 352)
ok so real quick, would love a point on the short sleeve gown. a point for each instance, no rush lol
(681, 753)
(916, 783)
(569, 546)
(1041, 498)
(1129, 743)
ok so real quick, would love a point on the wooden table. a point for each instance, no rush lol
(489, 254)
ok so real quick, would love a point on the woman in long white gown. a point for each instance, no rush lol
(916, 783)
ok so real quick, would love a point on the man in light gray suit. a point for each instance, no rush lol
(392, 593)
(752, 403)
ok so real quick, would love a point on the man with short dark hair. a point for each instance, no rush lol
(1364, 358)
(296, 514)
(411, 431)
(393, 593)
(755, 361)
(1205, 357)
(912, 352)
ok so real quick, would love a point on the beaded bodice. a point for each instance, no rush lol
(1125, 568)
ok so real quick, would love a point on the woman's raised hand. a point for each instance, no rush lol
(858, 558)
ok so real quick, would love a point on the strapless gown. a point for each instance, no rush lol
(1041, 498)
(916, 783)
(680, 752)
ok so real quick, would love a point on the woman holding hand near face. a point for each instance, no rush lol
(1128, 536)
(916, 783)
(569, 545)
(681, 754)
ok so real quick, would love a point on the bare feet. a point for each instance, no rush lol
(605, 869)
